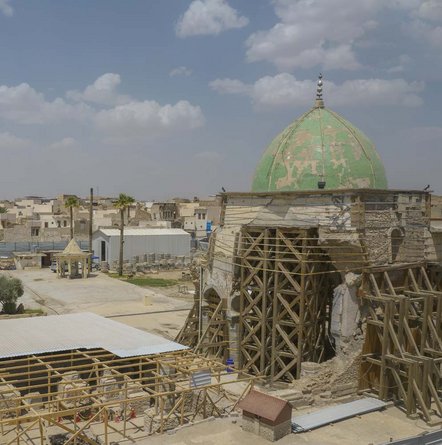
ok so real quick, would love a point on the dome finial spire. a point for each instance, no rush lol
(319, 103)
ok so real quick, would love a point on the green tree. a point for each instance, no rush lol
(70, 203)
(123, 202)
(11, 289)
(3, 210)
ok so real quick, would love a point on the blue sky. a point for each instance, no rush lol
(179, 98)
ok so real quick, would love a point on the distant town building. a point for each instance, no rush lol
(139, 242)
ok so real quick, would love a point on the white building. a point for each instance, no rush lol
(140, 241)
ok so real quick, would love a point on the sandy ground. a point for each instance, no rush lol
(374, 428)
(156, 311)
(377, 428)
(163, 311)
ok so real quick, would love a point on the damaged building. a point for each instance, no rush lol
(319, 258)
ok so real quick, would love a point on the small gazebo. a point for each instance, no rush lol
(72, 262)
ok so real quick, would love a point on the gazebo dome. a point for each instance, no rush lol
(321, 149)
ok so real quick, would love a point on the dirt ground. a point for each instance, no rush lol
(163, 311)
(374, 428)
(136, 306)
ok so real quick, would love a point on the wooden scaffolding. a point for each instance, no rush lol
(284, 301)
(81, 392)
(402, 354)
(206, 328)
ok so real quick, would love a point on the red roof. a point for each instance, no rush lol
(264, 405)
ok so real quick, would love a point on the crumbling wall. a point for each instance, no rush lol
(72, 386)
(433, 247)
(8, 399)
(345, 313)
(377, 239)
(385, 228)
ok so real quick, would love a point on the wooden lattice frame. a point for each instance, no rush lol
(283, 301)
(402, 356)
(163, 379)
(211, 339)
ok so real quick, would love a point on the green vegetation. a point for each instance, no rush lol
(153, 282)
(70, 203)
(123, 202)
(11, 289)
(35, 311)
(147, 281)
(3, 210)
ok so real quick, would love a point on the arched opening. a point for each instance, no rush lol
(396, 240)
(215, 334)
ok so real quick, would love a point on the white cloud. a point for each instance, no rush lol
(209, 17)
(62, 144)
(117, 115)
(25, 105)
(328, 33)
(10, 141)
(427, 32)
(6, 8)
(149, 118)
(103, 91)
(231, 86)
(284, 90)
(314, 32)
(180, 71)
(430, 10)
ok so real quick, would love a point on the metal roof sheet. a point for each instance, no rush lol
(336, 413)
(143, 232)
(426, 438)
(38, 335)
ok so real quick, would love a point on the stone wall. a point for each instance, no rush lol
(8, 396)
(269, 432)
(22, 233)
(354, 227)
(72, 386)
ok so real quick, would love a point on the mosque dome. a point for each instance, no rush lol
(321, 149)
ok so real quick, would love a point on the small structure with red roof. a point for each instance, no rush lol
(265, 415)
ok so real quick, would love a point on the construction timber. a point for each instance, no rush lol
(402, 354)
(95, 397)
(206, 328)
(284, 301)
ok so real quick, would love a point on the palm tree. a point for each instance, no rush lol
(70, 203)
(123, 202)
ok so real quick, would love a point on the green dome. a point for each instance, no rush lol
(319, 146)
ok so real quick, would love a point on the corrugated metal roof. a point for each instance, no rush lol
(143, 232)
(336, 413)
(200, 378)
(262, 405)
(37, 335)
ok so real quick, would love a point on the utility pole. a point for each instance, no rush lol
(91, 215)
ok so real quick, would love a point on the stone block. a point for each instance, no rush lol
(72, 386)
(8, 395)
